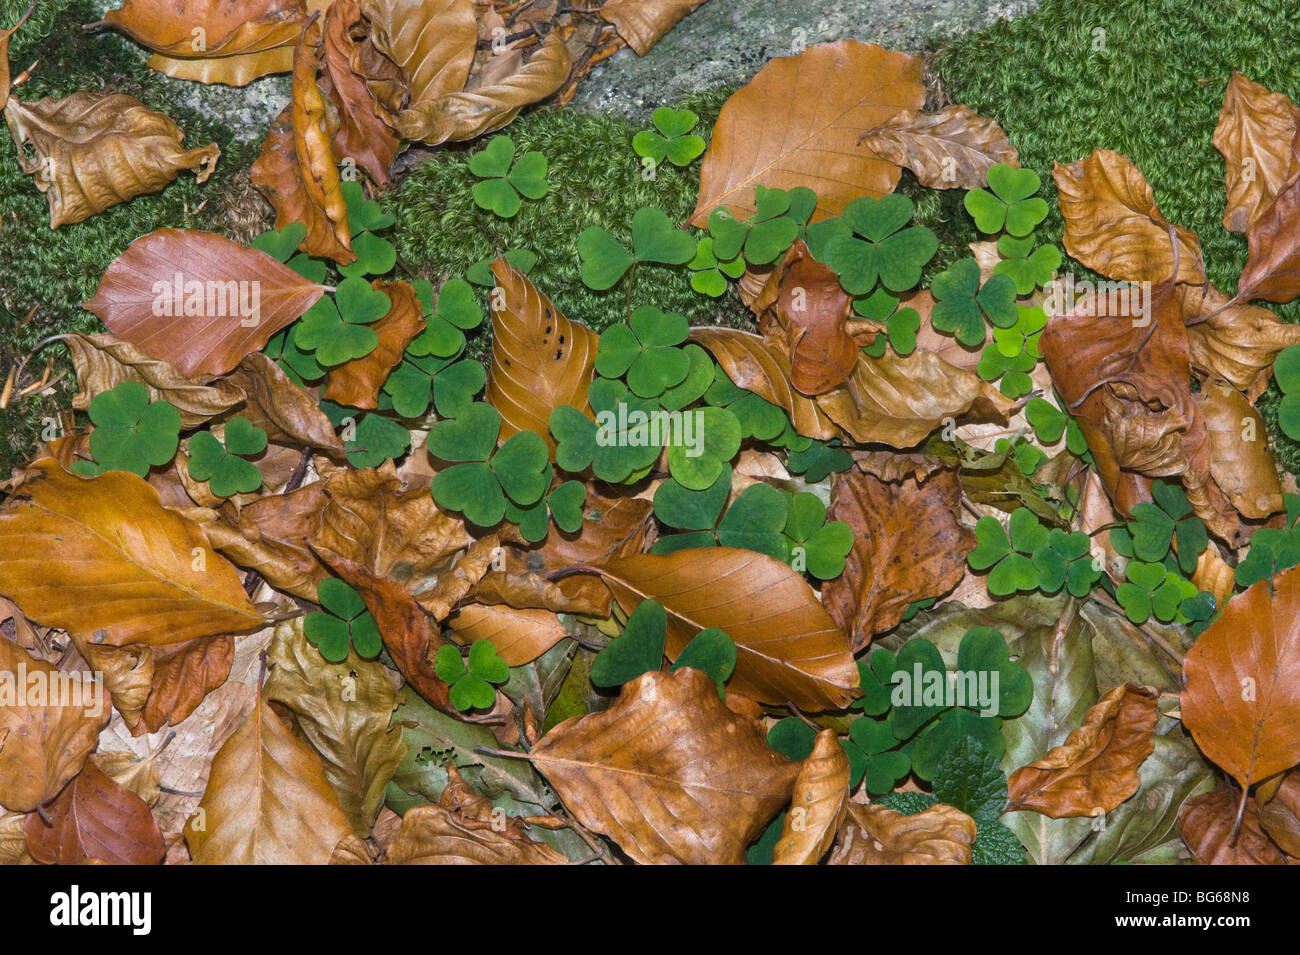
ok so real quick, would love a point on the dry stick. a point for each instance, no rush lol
(1241, 814)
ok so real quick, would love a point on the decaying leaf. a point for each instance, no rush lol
(364, 135)
(819, 804)
(94, 149)
(1272, 268)
(1254, 135)
(952, 148)
(519, 635)
(797, 124)
(357, 382)
(1280, 816)
(1241, 463)
(643, 23)
(279, 407)
(95, 818)
(876, 835)
(668, 772)
(1236, 343)
(1207, 823)
(431, 40)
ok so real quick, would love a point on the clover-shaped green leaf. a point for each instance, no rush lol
(1011, 559)
(1156, 527)
(479, 487)
(876, 677)
(818, 459)
(709, 274)
(671, 138)
(762, 239)
(375, 256)
(323, 331)
(1009, 205)
(364, 215)
(480, 273)
(619, 446)
(817, 546)
(470, 682)
(880, 247)
(756, 416)
(224, 467)
(301, 366)
(281, 244)
(370, 439)
(644, 349)
(345, 621)
(1271, 549)
(504, 178)
(947, 733)
(1152, 590)
(792, 738)
(131, 433)
(874, 757)
(655, 239)
(1028, 268)
(691, 510)
(639, 649)
(706, 441)
(755, 521)
(1013, 371)
(962, 304)
(710, 651)
(444, 324)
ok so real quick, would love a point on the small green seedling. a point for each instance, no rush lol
(471, 681)
(880, 249)
(344, 621)
(480, 486)
(131, 432)
(505, 178)
(671, 138)
(224, 467)
(1009, 206)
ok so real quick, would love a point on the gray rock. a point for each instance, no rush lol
(728, 41)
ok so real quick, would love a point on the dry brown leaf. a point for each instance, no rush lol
(101, 557)
(94, 818)
(907, 546)
(952, 148)
(1241, 463)
(1241, 696)
(356, 383)
(1237, 343)
(1254, 136)
(875, 835)
(524, 590)
(364, 135)
(668, 772)
(457, 583)
(819, 804)
(1096, 768)
(267, 802)
(42, 745)
(643, 23)
(92, 150)
(788, 649)
(540, 359)
(1272, 268)
(5, 34)
(13, 844)
(431, 40)
(1206, 823)
(1214, 575)
(520, 636)
(1280, 815)
(797, 124)
(1112, 224)
(279, 407)
(220, 301)
(612, 527)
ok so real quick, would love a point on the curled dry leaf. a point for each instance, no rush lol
(220, 301)
(668, 772)
(1254, 135)
(1236, 343)
(1241, 696)
(1214, 575)
(41, 746)
(875, 835)
(267, 802)
(1206, 823)
(457, 583)
(540, 359)
(92, 150)
(797, 124)
(1272, 268)
(94, 818)
(819, 804)
(520, 636)
(907, 546)
(5, 79)
(788, 649)
(357, 382)
(1280, 816)
(1112, 224)
(1241, 463)
(643, 23)
(524, 589)
(100, 556)
(279, 407)
(431, 40)
(1096, 768)
(612, 527)
(363, 135)
(952, 148)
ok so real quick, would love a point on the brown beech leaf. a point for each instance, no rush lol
(279, 407)
(42, 746)
(457, 117)
(219, 301)
(183, 676)
(1112, 224)
(524, 590)
(431, 40)
(92, 150)
(643, 23)
(875, 835)
(100, 556)
(357, 382)
(13, 844)
(1272, 268)
(95, 818)
(1096, 768)
(1254, 135)
(105, 361)
(819, 804)
(267, 802)
(5, 34)
(907, 546)
(540, 359)
(797, 123)
(668, 772)
(364, 135)
(1241, 696)
(1206, 823)
(612, 527)
(1241, 463)
(753, 365)
(460, 829)
(457, 583)
(1214, 575)
(520, 636)
(810, 308)
(343, 709)
(899, 399)
(1280, 816)
(297, 169)
(952, 148)
(1236, 343)
(788, 649)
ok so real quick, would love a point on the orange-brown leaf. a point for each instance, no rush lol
(520, 636)
(363, 135)
(357, 382)
(1206, 824)
(643, 23)
(94, 818)
(1237, 344)
(876, 835)
(952, 148)
(1254, 136)
(819, 804)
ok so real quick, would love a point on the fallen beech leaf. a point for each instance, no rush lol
(952, 148)
(612, 527)
(364, 135)
(5, 34)
(643, 23)
(279, 407)
(267, 802)
(1254, 136)
(1238, 343)
(1272, 268)
(1241, 696)
(101, 556)
(239, 69)
(1214, 575)
(1096, 768)
(297, 170)
(577, 594)
(432, 40)
(668, 772)
(357, 382)
(343, 710)
(907, 546)
(457, 583)
(1280, 816)
(219, 300)
(520, 636)
(819, 804)
(1241, 463)
(183, 676)
(92, 150)
(540, 359)
(1206, 825)
(875, 835)
(457, 117)
(13, 844)
(1112, 224)
(797, 124)
(810, 308)
(95, 818)
(41, 746)
(893, 467)
(788, 649)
